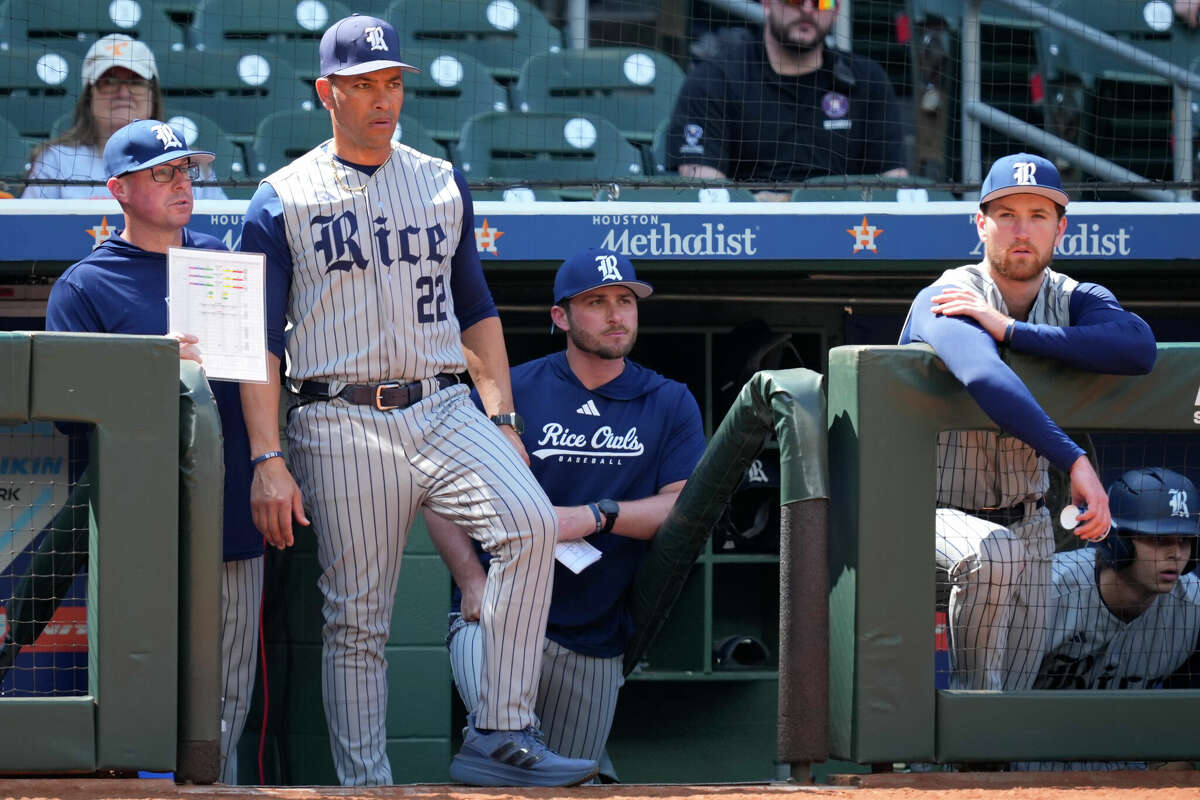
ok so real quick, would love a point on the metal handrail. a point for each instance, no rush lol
(976, 113)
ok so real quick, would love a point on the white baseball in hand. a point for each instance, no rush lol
(1069, 518)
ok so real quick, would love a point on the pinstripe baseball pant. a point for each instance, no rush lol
(241, 598)
(365, 474)
(577, 694)
(1000, 580)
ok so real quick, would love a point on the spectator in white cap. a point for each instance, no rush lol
(120, 85)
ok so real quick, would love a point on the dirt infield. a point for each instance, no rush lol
(956, 786)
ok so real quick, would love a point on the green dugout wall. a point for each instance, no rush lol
(886, 405)
(128, 388)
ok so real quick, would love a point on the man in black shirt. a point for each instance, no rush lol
(785, 108)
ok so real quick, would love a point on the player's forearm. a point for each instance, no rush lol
(636, 519)
(260, 407)
(487, 361)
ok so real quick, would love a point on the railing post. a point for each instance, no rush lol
(972, 137)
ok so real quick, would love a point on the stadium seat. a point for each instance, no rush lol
(285, 135)
(631, 87)
(37, 86)
(14, 158)
(291, 29)
(74, 26)
(503, 34)
(676, 194)
(870, 188)
(553, 147)
(451, 88)
(512, 194)
(203, 133)
(658, 148)
(234, 88)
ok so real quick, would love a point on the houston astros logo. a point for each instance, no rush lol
(1178, 501)
(375, 38)
(607, 264)
(864, 236)
(1023, 172)
(167, 136)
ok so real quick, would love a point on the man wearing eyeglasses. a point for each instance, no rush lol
(121, 287)
(786, 108)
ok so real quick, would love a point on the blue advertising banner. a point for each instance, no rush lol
(56, 230)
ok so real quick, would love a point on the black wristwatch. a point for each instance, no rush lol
(610, 509)
(513, 419)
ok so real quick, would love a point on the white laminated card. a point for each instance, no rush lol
(217, 296)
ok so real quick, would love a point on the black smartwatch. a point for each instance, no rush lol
(610, 509)
(513, 419)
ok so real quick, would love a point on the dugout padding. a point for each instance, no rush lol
(886, 405)
(128, 388)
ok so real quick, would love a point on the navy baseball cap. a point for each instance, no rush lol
(1023, 173)
(146, 143)
(594, 268)
(359, 44)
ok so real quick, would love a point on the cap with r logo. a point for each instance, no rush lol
(1023, 173)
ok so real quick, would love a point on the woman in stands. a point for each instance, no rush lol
(120, 84)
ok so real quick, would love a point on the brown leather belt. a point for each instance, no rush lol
(383, 396)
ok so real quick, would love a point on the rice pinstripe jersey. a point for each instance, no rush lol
(396, 319)
(1089, 647)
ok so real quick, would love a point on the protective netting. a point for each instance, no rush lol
(43, 557)
(634, 98)
(1023, 603)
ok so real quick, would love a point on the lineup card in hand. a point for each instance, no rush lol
(217, 295)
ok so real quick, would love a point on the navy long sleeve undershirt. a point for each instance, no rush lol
(1102, 337)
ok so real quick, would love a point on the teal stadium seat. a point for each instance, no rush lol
(38, 84)
(687, 192)
(572, 148)
(74, 26)
(503, 34)
(512, 194)
(285, 135)
(14, 158)
(234, 88)
(870, 188)
(290, 29)
(230, 163)
(451, 88)
(631, 87)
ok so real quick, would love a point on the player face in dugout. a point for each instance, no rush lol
(1158, 562)
(798, 27)
(154, 199)
(1019, 233)
(602, 322)
(119, 96)
(365, 109)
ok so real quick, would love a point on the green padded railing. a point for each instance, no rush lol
(886, 405)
